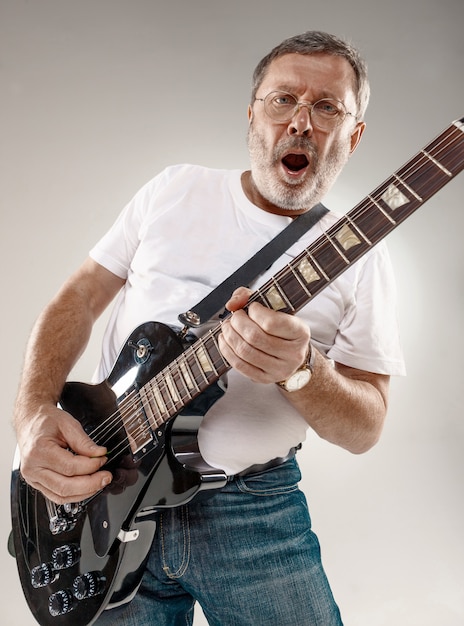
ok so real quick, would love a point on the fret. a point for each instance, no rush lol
(381, 209)
(151, 409)
(395, 199)
(300, 281)
(219, 363)
(172, 388)
(158, 399)
(138, 434)
(276, 297)
(204, 360)
(448, 150)
(307, 271)
(358, 230)
(423, 175)
(187, 374)
(345, 238)
(437, 163)
(372, 219)
(199, 375)
(319, 267)
(337, 248)
(178, 383)
(292, 288)
(164, 387)
(410, 189)
(311, 271)
(329, 258)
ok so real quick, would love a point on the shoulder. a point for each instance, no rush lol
(194, 172)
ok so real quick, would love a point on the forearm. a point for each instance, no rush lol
(57, 341)
(61, 334)
(57, 455)
(343, 405)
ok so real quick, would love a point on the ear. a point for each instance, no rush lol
(250, 114)
(356, 135)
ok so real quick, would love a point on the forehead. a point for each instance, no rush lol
(319, 74)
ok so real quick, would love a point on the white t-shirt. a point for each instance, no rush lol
(184, 233)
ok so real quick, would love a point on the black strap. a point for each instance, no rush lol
(255, 266)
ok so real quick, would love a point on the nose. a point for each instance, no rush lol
(300, 124)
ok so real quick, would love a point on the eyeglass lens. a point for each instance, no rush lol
(325, 113)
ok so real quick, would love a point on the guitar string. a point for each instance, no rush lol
(114, 424)
(414, 167)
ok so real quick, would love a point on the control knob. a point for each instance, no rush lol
(60, 603)
(88, 585)
(65, 556)
(42, 575)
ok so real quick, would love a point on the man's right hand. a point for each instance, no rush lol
(58, 458)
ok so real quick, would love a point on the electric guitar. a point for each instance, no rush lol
(76, 560)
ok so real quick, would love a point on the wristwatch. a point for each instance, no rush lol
(302, 376)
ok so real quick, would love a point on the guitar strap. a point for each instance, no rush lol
(262, 260)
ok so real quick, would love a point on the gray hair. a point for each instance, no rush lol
(313, 42)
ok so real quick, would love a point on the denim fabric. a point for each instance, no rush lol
(247, 555)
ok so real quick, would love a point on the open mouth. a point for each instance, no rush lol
(295, 162)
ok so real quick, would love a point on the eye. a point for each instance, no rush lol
(328, 108)
(283, 100)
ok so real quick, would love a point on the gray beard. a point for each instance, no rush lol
(293, 195)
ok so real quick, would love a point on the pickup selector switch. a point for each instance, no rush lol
(88, 585)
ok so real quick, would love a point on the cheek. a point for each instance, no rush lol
(265, 134)
(336, 149)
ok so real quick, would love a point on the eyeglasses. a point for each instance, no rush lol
(326, 114)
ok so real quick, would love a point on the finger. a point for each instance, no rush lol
(62, 475)
(243, 358)
(260, 353)
(278, 324)
(238, 299)
(78, 440)
(62, 490)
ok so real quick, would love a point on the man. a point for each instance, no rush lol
(247, 554)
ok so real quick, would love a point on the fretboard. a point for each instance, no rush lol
(317, 266)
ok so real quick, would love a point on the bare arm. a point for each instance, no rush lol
(46, 434)
(343, 405)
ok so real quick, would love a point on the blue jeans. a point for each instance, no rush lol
(247, 555)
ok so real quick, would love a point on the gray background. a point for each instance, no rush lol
(98, 96)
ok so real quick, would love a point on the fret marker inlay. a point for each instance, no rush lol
(347, 238)
(394, 197)
(307, 271)
(203, 359)
(186, 375)
(275, 299)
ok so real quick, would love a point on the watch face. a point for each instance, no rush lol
(298, 380)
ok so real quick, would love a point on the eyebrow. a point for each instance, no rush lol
(291, 90)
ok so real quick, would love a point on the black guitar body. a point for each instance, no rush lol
(74, 561)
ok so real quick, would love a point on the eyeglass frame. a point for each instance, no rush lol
(310, 106)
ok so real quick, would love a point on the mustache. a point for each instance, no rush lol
(300, 144)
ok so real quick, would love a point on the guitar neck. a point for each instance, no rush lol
(367, 223)
(317, 266)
